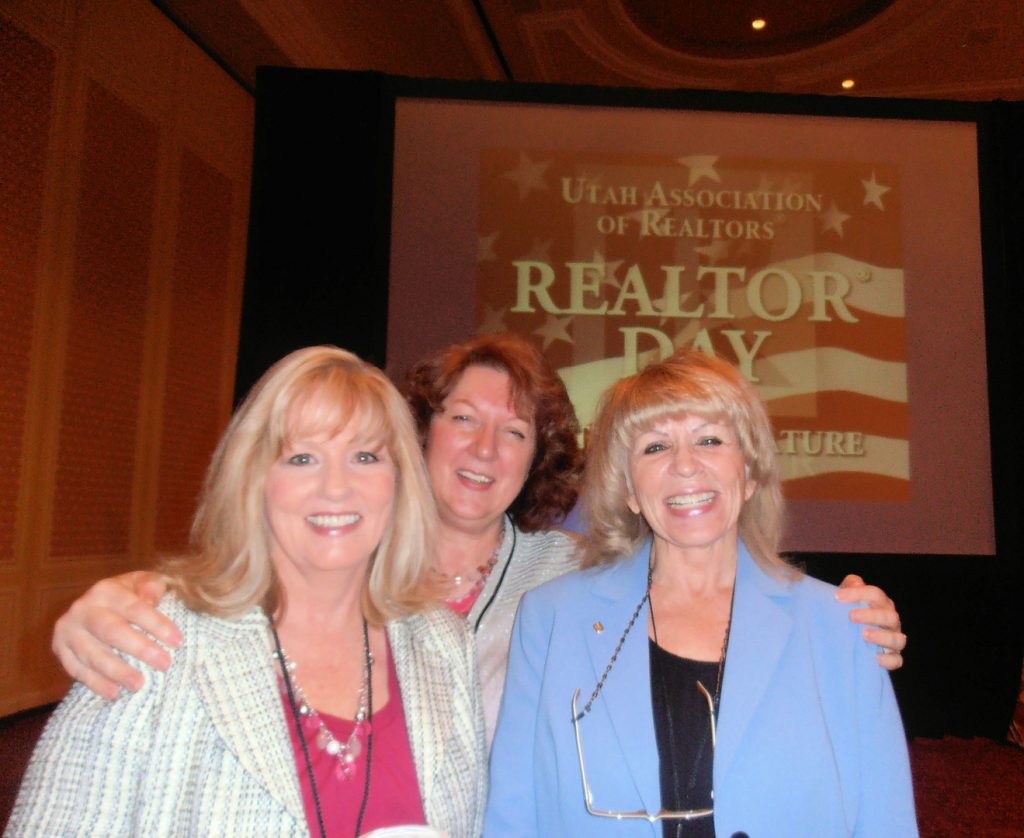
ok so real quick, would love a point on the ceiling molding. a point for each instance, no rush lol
(479, 44)
(941, 49)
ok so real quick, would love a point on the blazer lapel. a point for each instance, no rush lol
(239, 688)
(419, 705)
(428, 702)
(760, 630)
(443, 718)
(627, 689)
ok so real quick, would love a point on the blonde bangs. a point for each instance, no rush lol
(325, 401)
(649, 416)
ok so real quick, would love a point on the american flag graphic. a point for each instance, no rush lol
(791, 269)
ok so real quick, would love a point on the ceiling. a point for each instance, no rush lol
(933, 49)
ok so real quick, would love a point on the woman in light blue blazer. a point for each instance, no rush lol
(689, 682)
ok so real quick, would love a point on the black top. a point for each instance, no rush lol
(682, 725)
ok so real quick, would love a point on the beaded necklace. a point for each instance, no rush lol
(483, 571)
(346, 753)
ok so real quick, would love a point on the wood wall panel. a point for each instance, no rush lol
(125, 159)
(102, 373)
(193, 380)
(8, 617)
(26, 83)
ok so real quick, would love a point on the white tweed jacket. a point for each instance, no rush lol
(526, 560)
(203, 748)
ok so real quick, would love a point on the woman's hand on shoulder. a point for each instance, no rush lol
(879, 615)
(112, 615)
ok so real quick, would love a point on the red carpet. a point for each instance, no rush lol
(968, 788)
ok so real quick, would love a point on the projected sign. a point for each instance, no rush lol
(836, 260)
(793, 271)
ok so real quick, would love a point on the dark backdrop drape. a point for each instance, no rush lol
(320, 218)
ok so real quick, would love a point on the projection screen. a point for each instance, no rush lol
(836, 260)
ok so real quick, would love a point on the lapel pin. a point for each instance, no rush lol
(598, 626)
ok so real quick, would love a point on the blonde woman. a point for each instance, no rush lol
(317, 690)
(689, 682)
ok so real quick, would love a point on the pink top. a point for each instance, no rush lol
(394, 790)
(465, 605)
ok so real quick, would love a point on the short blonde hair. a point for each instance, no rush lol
(687, 383)
(231, 569)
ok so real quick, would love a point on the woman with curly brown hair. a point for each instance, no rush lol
(500, 439)
(499, 435)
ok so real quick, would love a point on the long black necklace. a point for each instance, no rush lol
(368, 663)
(683, 801)
(501, 578)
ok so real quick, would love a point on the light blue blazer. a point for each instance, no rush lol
(810, 741)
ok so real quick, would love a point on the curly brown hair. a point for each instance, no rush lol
(549, 492)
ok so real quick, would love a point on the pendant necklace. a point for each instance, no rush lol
(306, 718)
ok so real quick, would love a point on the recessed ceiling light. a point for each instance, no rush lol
(758, 24)
(848, 84)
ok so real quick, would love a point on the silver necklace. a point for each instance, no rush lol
(622, 640)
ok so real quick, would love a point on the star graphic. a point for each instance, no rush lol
(556, 328)
(540, 251)
(873, 192)
(833, 219)
(485, 247)
(605, 270)
(714, 251)
(701, 165)
(528, 176)
(493, 322)
(790, 185)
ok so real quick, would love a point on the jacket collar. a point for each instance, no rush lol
(626, 694)
(761, 625)
(238, 685)
(408, 662)
(496, 576)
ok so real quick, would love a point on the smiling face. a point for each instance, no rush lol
(689, 481)
(479, 450)
(328, 501)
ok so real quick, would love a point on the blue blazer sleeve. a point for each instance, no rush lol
(810, 741)
(887, 798)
